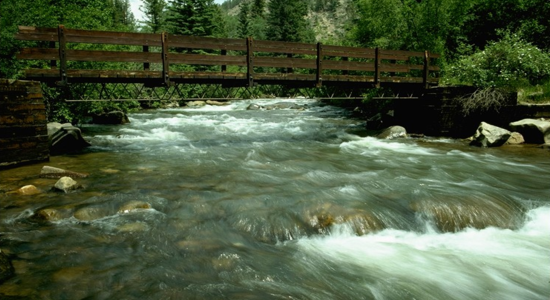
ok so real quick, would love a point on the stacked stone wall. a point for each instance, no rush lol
(23, 123)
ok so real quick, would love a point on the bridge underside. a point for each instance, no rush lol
(149, 85)
(189, 91)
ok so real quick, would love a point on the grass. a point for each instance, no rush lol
(538, 94)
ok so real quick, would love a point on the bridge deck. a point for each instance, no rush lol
(164, 59)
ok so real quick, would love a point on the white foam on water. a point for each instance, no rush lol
(371, 146)
(471, 264)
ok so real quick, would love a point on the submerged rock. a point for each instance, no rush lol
(66, 184)
(48, 214)
(26, 190)
(132, 206)
(452, 215)
(534, 131)
(52, 172)
(65, 138)
(488, 135)
(393, 132)
(6, 268)
(90, 213)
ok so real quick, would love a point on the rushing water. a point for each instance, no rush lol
(279, 204)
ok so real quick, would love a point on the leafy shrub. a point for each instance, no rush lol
(508, 63)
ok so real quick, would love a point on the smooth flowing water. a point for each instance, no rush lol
(229, 203)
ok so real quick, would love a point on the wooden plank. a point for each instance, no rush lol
(38, 54)
(284, 62)
(197, 42)
(112, 37)
(342, 51)
(31, 33)
(399, 54)
(114, 56)
(348, 65)
(202, 59)
(285, 47)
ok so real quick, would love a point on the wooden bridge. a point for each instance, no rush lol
(84, 56)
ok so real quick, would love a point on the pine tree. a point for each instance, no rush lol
(258, 8)
(194, 17)
(244, 20)
(154, 11)
(286, 21)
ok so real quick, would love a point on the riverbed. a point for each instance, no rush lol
(221, 202)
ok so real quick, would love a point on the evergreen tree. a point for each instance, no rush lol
(194, 17)
(244, 20)
(286, 21)
(154, 11)
(258, 9)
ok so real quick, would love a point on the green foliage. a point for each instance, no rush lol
(194, 17)
(409, 24)
(155, 15)
(286, 21)
(510, 62)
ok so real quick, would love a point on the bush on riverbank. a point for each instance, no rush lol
(510, 64)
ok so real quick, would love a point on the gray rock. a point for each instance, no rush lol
(534, 131)
(217, 103)
(6, 268)
(254, 106)
(66, 184)
(111, 118)
(488, 135)
(52, 172)
(393, 132)
(515, 139)
(65, 138)
(196, 103)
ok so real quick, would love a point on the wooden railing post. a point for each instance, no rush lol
(377, 67)
(426, 74)
(289, 69)
(319, 75)
(165, 63)
(345, 72)
(62, 55)
(224, 67)
(53, 63)
(146, 65)
(249, 62)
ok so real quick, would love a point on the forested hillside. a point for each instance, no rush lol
(486, 43)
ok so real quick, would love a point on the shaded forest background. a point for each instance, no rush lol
(484, 43)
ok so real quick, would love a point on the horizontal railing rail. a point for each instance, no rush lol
(250, 61)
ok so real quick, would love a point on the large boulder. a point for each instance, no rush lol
(65, 138)
(393, 132)
(534, 131)
(111, 118)
(488, 135)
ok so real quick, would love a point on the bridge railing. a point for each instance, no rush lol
(163, 59)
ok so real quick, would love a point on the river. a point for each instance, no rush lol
(221, 202)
